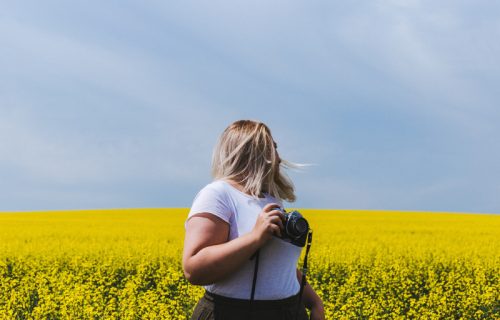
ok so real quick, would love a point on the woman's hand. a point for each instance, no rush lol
(269, 222)
(317, 312)
(311, 300)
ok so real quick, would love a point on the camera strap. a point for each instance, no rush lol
(303, 270)
(256, 269)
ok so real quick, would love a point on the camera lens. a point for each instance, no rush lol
(301, 226)
(296, 228)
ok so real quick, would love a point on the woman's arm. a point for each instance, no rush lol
(311, 300)
(209, 257)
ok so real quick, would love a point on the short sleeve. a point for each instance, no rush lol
(211, 199)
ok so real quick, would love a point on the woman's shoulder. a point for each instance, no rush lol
(212, 199)
(215, 188)
(216, 185)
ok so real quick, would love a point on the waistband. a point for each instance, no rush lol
(290, 301)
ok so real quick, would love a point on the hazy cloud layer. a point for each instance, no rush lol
(118, 104)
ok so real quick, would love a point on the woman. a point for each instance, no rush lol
(231, 219)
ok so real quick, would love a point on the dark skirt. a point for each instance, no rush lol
(216, 307)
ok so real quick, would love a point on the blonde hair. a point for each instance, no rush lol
(245, 153)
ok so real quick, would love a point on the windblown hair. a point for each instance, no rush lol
(245, 153)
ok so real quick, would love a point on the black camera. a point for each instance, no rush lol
(295, 228)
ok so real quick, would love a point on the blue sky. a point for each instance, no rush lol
(117, 104)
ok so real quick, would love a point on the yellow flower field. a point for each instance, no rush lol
(126, 264)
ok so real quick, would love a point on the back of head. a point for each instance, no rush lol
(246, 153)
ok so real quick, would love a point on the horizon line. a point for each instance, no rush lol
(294, 208)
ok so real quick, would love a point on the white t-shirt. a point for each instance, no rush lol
(276, 278)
